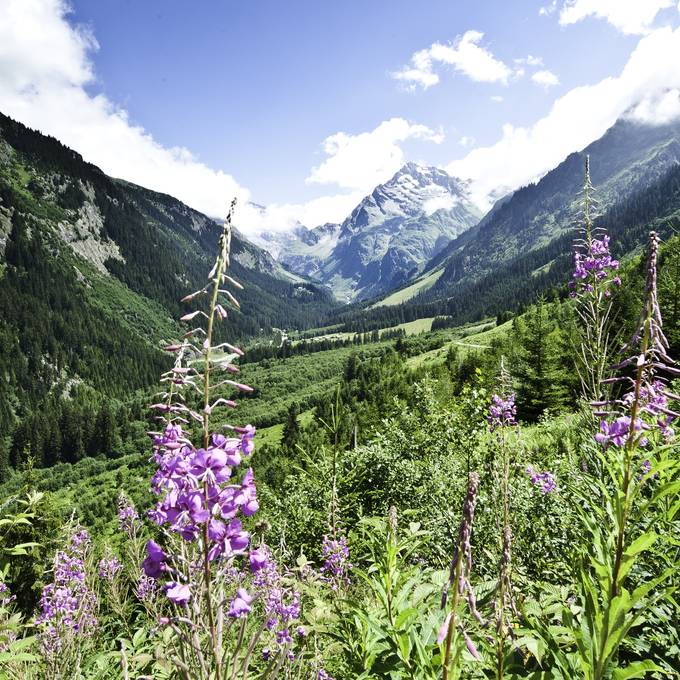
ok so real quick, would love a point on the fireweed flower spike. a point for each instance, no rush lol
(459, 575)
(594, 278)
(336, 566)
(618, 524)
(67, 607)
(543, 480)
(502, 421)
(628, 422)
(202, 499)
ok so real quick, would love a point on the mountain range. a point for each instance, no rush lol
(523, 246)
(92, 266)
(92, 269)
(388, 238)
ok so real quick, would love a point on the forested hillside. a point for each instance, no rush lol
(91, 273)
(645, 194)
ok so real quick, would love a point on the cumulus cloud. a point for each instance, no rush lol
(465, 55)
(628, 16)
(45, 66)
(548, 9)
(530, 60)
(579, 117)
(545, 78)
(361, 161)
(657, 109)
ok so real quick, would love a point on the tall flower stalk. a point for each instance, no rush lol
(68, 608)
(201, 567)
(459, 586)
(595, 276)
(615, 513)
(502, 421)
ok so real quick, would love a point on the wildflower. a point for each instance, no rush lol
(147, 588)
(5, 597)
(618, 431)
(178, 593)
(67, 605)
(502, 411)
(240, 605)
(154, 564)
(336, 565)
(647, 400)
(109, 567)
(128, 519)
(281, 602)
(543, 480)
(593, 264)
(258, 559)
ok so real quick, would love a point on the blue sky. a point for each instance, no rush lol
(250, 96)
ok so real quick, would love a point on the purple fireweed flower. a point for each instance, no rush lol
(67, 605)
(648, 400)
(543, 480)
(336, 564)
(128, 519)
(109, 567)
(321, 674)
(258, 559)
(240, 605)
(194, 489)
(210, 466)
(154, 564)
(593, 265)
(147, 588)
(5, 596)
(502, 411)
(281, 602)
(618, 431)
(177, 593)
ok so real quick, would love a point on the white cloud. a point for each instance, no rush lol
(628, 16)
(577, 118)
(44, 68)
(465, 141)
(441, 202)
(496, 98)
(361, 161)
(657, 109)
(465, 55)
(283, 216)
(545, 78)
(530, 60)
(548, 9)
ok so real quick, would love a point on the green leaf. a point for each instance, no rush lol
(637, 669)
(139, 637)
(641, 543)
(21, 656)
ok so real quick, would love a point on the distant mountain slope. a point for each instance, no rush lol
(388, 237)
(523, 247)
(92, 268)
(627, 159)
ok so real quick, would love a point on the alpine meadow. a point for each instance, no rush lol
(414, 414)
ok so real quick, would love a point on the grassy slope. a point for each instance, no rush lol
(411, 291)
(91, 486)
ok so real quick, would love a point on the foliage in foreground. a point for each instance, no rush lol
(479, 548)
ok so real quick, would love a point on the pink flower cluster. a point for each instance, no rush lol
(594, 266)
(198, 498)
